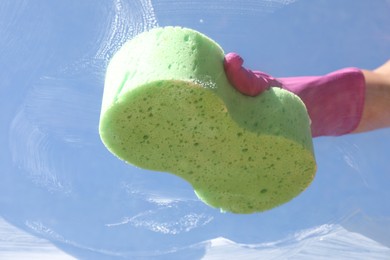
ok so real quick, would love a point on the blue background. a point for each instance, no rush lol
(58, 182)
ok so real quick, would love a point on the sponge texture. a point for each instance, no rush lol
(168, 106)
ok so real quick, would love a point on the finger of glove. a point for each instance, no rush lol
(245, 81)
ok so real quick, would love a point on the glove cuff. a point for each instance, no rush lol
(334, 102)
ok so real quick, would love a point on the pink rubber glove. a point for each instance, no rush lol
(334, 102)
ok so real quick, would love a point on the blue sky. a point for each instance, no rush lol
(60, 184)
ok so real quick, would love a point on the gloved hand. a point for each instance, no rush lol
(334, 102)
(248, 82)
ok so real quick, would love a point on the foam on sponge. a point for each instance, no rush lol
(168, 106)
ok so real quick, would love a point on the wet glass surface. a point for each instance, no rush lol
(59, 182)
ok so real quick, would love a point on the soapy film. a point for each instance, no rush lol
(56, 113)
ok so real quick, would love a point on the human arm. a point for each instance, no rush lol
(376, 113)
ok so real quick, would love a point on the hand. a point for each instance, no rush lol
(248, 82)
(334, 102)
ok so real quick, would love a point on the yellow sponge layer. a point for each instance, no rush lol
(168, 106)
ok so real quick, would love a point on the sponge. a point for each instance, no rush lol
(168, 106)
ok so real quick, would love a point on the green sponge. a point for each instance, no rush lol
(168, 106)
